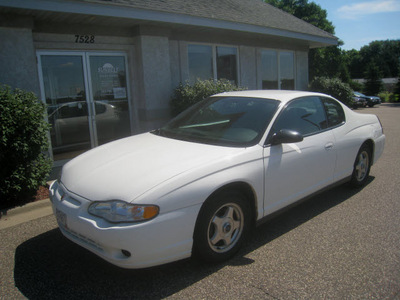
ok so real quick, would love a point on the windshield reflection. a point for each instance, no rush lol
(224, 121)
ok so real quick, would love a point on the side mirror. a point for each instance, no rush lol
(286, 136)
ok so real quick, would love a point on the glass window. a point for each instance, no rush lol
(203, 58)
(304, 115)
(269, 70)
(226, 63)
(334, 112)
(200, 62)
(286, 66)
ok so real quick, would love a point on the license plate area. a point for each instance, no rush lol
(61, 219)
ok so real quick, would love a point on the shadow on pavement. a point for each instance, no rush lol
(49, 266)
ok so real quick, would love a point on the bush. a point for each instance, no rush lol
(356, 86)
(333, 87)
(23, 142)
(185, 95)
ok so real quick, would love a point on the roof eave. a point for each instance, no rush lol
(100, 9)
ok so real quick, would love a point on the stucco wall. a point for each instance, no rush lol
(154, 61)
(18, 59)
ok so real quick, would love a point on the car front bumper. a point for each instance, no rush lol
(166, 238)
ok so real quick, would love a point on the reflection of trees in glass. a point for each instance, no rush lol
(226, 63)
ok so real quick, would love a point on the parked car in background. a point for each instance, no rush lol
(198, 185)
(373, 100)
(369, 100)
(359, 100)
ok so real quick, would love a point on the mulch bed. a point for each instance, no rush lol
(41, 194)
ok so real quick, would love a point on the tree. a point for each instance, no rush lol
(397, 88)
(325, 62)
(354, 62)
(373, 75)
(310, 12)
(385, 54)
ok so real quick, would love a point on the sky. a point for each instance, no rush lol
(359, 22)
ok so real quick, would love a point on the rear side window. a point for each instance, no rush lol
(334, 112)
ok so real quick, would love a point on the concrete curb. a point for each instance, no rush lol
(28, 212)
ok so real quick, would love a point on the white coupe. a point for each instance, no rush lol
(197, 185)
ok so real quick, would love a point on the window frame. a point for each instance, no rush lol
(321, 100)
(326, 112)
(271, 132)
(278, 65)
(214, 60)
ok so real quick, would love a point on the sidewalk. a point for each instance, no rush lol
(26, 213)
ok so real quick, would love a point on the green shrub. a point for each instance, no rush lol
(356, 86)
(185, 95)
(23, 142)
(333, 87)
(394, 98)
(385, 96)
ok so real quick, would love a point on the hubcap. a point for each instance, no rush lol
(362, 166)
(225, 228)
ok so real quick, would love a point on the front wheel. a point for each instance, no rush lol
(222, 225)
(362, 167)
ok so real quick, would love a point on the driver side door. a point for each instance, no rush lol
(296, 170)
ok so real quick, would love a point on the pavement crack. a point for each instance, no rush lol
(265, 292)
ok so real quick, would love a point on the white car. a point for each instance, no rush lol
(198, 185)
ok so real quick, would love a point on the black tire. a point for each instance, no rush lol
(223, 224)
(362, 166)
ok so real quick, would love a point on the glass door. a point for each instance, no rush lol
(110, 97)
(87, 100)
(63, 83)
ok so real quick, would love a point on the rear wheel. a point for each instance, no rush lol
(362, 167)
(222, 225)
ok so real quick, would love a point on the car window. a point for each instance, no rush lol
(334, 112)
(304, 115)
(72, 110)
(230, 121)
(100, 108)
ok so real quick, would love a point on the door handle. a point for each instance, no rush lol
(329, 146)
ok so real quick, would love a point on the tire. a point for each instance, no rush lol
(362, 166)
(222, 226)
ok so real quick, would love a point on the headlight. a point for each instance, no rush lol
(117, 211)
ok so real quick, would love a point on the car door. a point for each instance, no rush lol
(295, 170)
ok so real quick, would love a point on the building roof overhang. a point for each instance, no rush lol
(108, 13)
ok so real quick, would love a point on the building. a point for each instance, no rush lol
(107, 68)
(389, 84)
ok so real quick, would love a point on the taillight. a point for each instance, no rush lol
(380, 123)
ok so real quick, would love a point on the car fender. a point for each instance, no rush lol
(198, 185)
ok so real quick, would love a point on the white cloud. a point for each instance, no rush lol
(361, 9)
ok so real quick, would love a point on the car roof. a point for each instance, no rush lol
(281, 95)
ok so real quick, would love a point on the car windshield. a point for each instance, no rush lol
(224, 121)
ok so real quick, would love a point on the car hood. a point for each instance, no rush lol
(127, 168)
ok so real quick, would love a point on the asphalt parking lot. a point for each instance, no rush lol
(341, 244)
